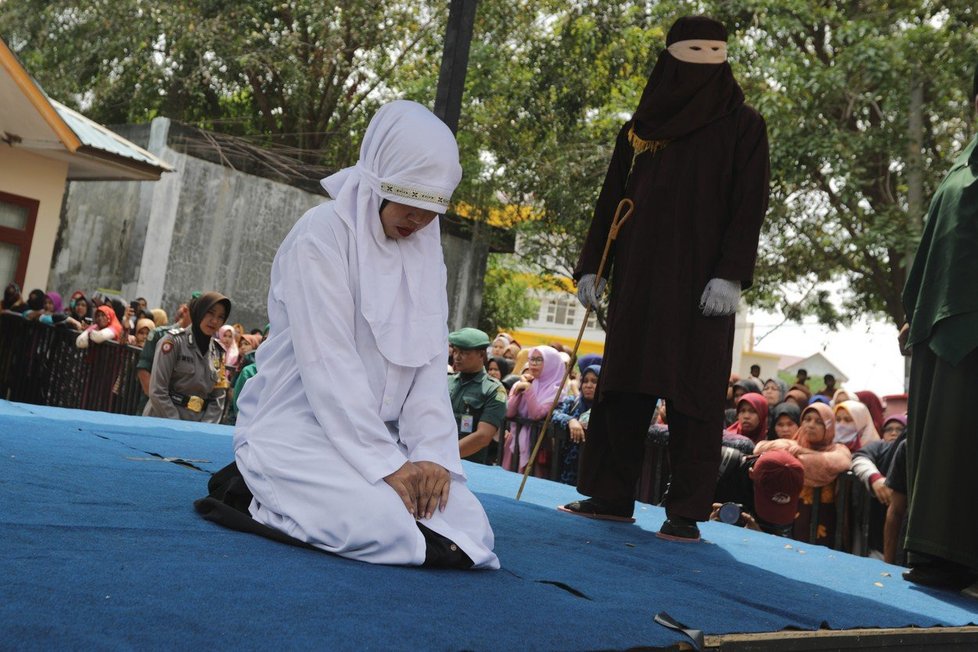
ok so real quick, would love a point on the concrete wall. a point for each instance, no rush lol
(43, 179)
(206, 227)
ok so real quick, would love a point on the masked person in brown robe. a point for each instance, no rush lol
(694, 159)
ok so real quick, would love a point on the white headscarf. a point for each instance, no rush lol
(408, 156)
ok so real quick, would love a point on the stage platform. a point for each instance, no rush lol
(101, 549)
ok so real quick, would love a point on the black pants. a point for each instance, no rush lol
(611, 460)
(227, 504)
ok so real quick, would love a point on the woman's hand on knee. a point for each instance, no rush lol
(433, 488)
(405, 481)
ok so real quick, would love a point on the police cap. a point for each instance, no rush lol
(468, 338)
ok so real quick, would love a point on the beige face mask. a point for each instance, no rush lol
(699, 51)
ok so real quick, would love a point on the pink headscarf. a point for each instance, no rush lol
(545, 388)
(759, 403)
(230, 354)
(535, 402)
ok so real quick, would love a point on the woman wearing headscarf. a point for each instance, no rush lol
(499, 345)
(894, 427)
(143, 328)
(774, 391)
(13, 300)
(786, 418)
(824, 460)
(751, 424)
(160, 317)
(570, 414)
(531, 398)
(499, 367)
(79, 308)
(839, 396)
(189, 380)
(346, 436)
(228, 342)
(105, 326)
(854, 425)
(875, 406)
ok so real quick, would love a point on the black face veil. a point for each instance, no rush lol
(681, 97)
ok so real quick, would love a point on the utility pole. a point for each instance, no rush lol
(467, 262)
(455, 62)
(915, 176)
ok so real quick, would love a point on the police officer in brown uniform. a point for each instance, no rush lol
(189, 381)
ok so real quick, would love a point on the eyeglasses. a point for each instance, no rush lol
(536, 361)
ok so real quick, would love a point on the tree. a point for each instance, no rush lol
(304, 75)
(506, 300)
(834, 81)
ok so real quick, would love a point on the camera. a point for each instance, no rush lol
(731, 513)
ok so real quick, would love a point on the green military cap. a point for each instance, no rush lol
(469, 338)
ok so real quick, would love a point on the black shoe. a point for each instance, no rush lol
(600, 509)
(442, 552)
(940, 576)
(679, 528)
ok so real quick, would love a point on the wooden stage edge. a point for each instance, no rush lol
(908, 638)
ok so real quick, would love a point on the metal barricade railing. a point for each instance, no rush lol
(40, 364)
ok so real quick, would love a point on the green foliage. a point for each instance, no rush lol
(305, 74)
(506, 303)
(549, 84)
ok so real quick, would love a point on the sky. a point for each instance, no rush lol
(866, 351)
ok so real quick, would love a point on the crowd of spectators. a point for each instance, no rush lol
(99, 318)
(784, 446)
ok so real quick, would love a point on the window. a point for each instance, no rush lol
(562, 310)
(17, 218)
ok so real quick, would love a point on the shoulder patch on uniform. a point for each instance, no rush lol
(501, 393)
(167, 346)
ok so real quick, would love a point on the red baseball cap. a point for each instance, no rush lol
(778, 478)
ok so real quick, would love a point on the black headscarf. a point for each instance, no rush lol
(681, 97)
(505, 366)
(35, 300)
(198, 308)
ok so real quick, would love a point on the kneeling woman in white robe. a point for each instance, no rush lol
(346, 436)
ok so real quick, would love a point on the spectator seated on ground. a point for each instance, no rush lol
(572, 413)
(758, 492)
(854, 425)
(106, 327)
(823, 461)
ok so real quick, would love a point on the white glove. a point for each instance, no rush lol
(720, 298)
(588, 292)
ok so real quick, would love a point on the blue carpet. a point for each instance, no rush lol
(101, 549)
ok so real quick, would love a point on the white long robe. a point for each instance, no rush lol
(327, 417)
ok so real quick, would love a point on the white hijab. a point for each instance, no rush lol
(408, 156)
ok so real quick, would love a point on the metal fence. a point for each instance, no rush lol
(40, 364)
